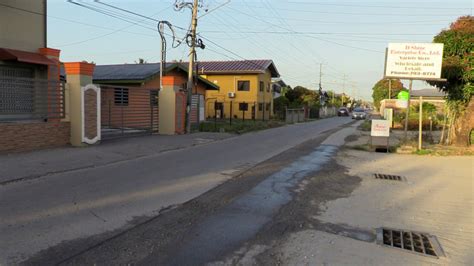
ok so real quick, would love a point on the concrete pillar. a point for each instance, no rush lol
(167, 106)
(79, 74)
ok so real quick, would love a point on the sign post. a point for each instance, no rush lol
(380, 130)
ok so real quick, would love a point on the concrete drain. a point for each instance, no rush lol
(389, 177)
(415, 242)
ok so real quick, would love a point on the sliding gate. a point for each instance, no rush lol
(128, 111)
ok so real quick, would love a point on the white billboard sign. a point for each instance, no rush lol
(380, 128)
(414, 60)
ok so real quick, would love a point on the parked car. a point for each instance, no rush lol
(359, 113)
(343, 111)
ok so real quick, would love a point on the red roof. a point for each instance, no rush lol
(22, 56)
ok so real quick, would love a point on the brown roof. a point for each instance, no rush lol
(22, 56)
(241, 67)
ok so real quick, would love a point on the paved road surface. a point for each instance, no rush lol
(40, 213)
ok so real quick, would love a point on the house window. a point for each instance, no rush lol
(268, 87)
(154, 98)
(243, 85)
(243, 106)
(267, 107)
(260, 106)
(262, 86)
(121, 96)
(19, 93)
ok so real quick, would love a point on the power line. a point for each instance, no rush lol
(340, 44)
(379, 6)
(361, 14)
(323, 33)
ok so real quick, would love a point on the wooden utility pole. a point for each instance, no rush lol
(420, 126)
(192, 52)
(390, 88)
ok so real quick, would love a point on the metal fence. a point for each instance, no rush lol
(128, 111)
(31, 99)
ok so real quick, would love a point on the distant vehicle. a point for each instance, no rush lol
(343, 111)
(359, 113)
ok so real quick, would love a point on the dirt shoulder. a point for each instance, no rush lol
(330, 224)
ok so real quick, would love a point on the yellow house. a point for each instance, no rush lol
(245, 88)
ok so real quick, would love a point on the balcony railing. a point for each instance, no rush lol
(31, 99)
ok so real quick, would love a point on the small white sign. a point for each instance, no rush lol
(380, 128)
(401, 103)
(388, 115)
(414, 60)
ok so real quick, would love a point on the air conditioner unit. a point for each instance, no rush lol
(231, 94)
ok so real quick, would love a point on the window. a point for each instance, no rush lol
(262, 86)
(260, 106)
(153, 97)
(243, 85)
(267, 107)
(19, 92)
(243, 106)
(121, 96)
(268, 88)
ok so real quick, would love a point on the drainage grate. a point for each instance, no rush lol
(416, 242)
(389, 177)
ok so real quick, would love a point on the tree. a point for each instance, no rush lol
(380, 90)
(457, 69)
(141, 61)
(279, 105)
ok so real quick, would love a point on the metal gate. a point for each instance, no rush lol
(128, 111)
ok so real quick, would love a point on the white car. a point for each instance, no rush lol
(359, 113)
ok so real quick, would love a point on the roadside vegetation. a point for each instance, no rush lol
(458, 63)
(238, 126)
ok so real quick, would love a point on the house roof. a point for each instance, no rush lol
(428, 93)
(22, 56)
(238, 67)
(135, 73)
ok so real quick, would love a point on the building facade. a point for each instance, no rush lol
(32, 98)
(245, 89)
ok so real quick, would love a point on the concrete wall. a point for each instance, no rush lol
(228, 83)
(21, 30)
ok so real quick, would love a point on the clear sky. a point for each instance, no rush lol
(347, 37)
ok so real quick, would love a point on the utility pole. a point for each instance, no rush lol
(192, 52)
(343, 88)
(407, 114)
(320, 74)
(390, 88)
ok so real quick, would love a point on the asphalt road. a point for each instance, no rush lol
(41, 213)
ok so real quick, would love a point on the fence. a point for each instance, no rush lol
(295, 115)
(128, 110)
(31, 99)
(238, 110)
(327, 111)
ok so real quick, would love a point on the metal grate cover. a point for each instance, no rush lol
(389, 177)
(415, 242)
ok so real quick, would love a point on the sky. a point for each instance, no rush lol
(347, 38)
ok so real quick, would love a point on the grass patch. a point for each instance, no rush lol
(365, 126)
(238, 126)
(423, 152)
